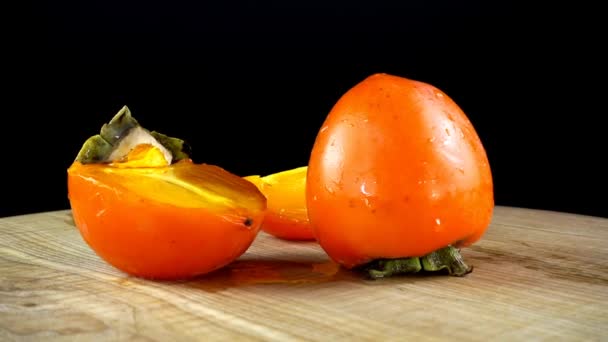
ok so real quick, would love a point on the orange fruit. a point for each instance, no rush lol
(286, 216)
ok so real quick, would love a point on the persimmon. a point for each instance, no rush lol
(286, 216)
(144, 207)
(398, 179)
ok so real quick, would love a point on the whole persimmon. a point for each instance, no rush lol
(398, 179)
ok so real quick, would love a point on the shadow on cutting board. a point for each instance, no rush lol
(261, 271)
(254, 272)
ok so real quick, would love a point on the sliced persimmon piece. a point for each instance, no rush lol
(170, 222)
(286, 217)
(145, 208)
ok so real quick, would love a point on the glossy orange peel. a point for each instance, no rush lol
(397, 171)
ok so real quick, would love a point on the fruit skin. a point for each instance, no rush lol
(286, 217)
(397, 170)
(155, 239)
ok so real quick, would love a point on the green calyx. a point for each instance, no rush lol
(121, 134)
(447, 259)
(179, 149)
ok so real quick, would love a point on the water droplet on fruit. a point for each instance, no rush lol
(439, 94)
(100, 213)
(438, 221)
(346, 121)
(364, 190)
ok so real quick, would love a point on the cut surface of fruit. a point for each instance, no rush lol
(142, 155)
(286, 216)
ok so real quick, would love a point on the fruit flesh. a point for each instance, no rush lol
(286, 217)
(142, 155)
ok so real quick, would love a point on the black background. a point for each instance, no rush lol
(249, 83)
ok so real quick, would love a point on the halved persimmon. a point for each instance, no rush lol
(285, 191)
(155, 218)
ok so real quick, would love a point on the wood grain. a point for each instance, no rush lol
(538, 275)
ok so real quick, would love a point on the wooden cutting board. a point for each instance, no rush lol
(538, 275)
